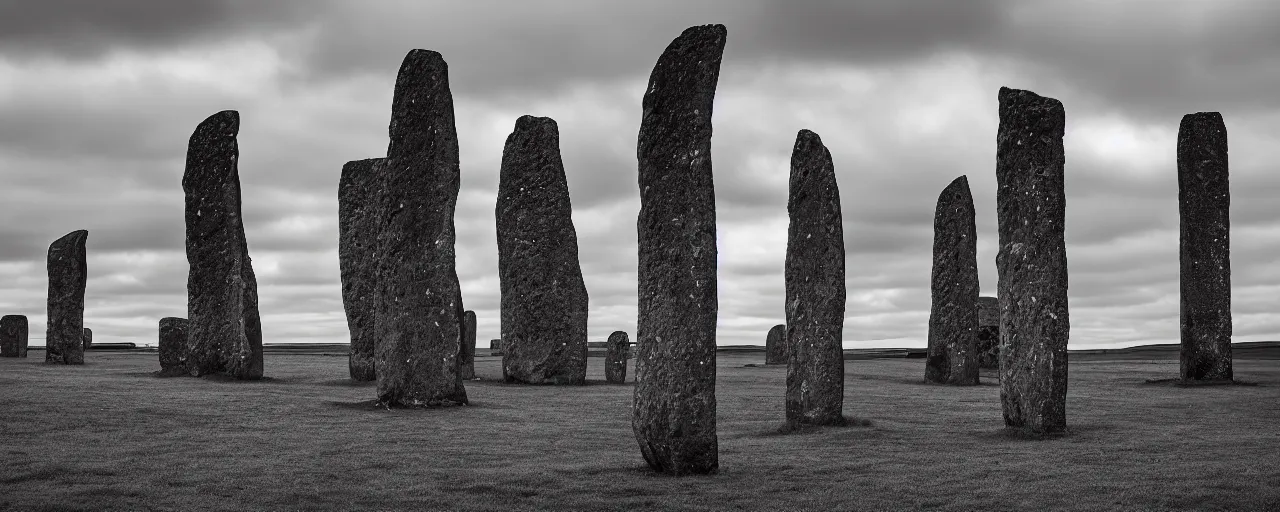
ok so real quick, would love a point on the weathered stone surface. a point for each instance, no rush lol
(13, 336)
(88, 338)
(988, 333)
(615, 359)
(468, 350)
(357, 259)
(544, 300)
(222, 291)
(495, 347)
(173, 346)
(1032, 262)
(64, 334)
(1204, 208)
(418, 325)
(775, 345)
(953, 318)
(674, 414)
(814, 276)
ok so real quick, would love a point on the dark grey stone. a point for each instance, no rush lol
(615, 359)
(953, 318)
(13, 336)
(468, 351)
(173, 346)
(495, 347)
(357, 258)
(64, 334)
(988, 333)
(1204, 208)
(88, 338)
(775, 345)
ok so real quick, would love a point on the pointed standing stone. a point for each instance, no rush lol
(544, 300)
(1204, 208)
(1032, 262)
(468, 352)
(64, 336)
(13, 336)
(357, 258)
(953, 318)
(418, 326)
(815, 287)
(615, 359)
(674, 414)
(222, 290)
(173, 346)
(988, 333)
(775, 345)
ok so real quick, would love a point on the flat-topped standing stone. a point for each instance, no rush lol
(64, 335)
(953, 318)
(674, 414)
(13, 336)
(815, 287)
(467, 353)
(418, 326)
(1204, 208)
(222, 291)
(615, 359)
(173, 346)
(87, 338)
(544, 301)
(357, 259)
(1032, 262)
(775, 345)
(495, 347)
(988, 333)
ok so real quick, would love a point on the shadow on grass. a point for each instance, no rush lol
(802, 429)
(375, 405)
(1074, 432)
(349, 383)
(1178, 382)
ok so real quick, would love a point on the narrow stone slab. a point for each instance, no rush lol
(64, 334)
(357, 260)
(87, 338)
(775, 345)
(544, 300)
(173, 346)
(814, 276)
(495, 347)
(418, 325)
(468, 351)
(13, 336)
(1204, 209)
(615, 359)
(674, 414)
(953, 318)
(988, 333)
(1032, 262)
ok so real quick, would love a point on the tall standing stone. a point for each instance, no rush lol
(775, 345)
(357, 259)
(953, 317)
(418, 325)
(87, 338)
(544, 300)
(674, 414)
(615, 358)
(173, 346)
(815, 287)
(468, 350)
(988, 333)
(1032, 262)
(222, 290)
(13, 336)
(64, 335)
(1204, 208)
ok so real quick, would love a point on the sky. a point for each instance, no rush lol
(98, 100)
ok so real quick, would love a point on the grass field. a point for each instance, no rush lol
(109, 436)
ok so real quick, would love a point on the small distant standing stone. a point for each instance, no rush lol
(953, 318)
(615, 359)
(988, 333)
(468, 353)
(495, 347)
(173, 346)
(64, 336)
(357, 258)
(13, 336)
(775, 345)
(1204, 205)
(88, 338)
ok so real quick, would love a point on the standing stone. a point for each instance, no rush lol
(357, 259)
(674, 414)
(173, 346)
(495, 347)
(87, 338)
(815, 287)
(64, 335)
(468, 353)
(13, 336)
(988, 333)
(222, 291)
(544, 301)
(1032, 262)
(953, 318)
(1204, 207)
(615, 359)
(775, 345)
(418, 326)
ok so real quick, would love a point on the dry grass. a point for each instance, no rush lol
(110, 436)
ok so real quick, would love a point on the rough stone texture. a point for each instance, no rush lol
(544, 300)
(775, 345)
(222, 290)
(467, 353)
(87, 338)
(953, 318)
(64, 334)
(173, 346)
(357, 259)
(615, 359)
(1204, 207)
(988, 333)
(1032, 262)
(815, 287)
(495, 347)
(418, 325)
(674, 413)
(13, 336)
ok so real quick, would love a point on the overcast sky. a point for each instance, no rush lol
(97, 104)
